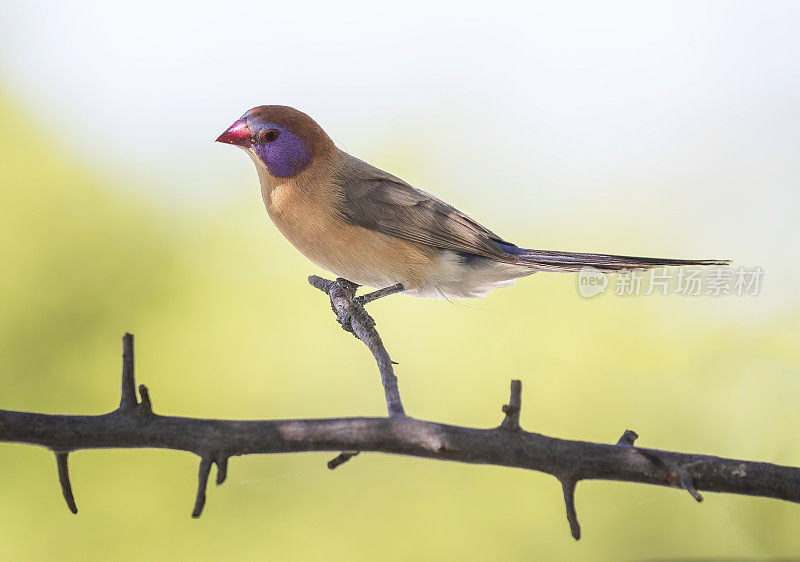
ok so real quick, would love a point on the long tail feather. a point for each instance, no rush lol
(574, 261)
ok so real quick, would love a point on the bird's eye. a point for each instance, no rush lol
(272, 135)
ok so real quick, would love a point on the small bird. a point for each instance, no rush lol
(373, 229)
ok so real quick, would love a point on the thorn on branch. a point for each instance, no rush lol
(222, 469)
(512, 409)
(145, 407)
(128, 398)
(63, 478)
(341, 459)
(202, 483)
(687, 483)
(627, 438)
(568, 486)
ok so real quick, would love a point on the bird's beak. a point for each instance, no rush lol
(238, 134)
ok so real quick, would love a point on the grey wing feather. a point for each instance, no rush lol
(379, 201)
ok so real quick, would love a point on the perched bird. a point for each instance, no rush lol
(374, 229)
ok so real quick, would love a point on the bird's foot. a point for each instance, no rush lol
(346, 305)
(357, 305)
(342, 294)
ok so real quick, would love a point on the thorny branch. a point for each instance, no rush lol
(134, 425)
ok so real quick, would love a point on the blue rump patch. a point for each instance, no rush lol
(514, 250)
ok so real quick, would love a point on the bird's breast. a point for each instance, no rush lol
(308, 216)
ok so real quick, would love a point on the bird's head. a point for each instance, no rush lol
(284, 140)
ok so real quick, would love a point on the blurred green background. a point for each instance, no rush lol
(627, 129)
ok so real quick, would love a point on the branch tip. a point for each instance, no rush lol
(222, 469)
(568, 487)
(319, 283)
(128, 398)
(202, 483)
(687, 483)
(512, 409)
(145, 407)
(63, 478)
(341, 459)
(627, 438)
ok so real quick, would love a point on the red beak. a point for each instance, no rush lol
(238, 134)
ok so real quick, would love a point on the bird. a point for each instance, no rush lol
(373, 229)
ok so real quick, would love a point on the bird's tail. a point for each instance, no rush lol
(574, 261)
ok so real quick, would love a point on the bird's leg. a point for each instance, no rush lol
(375, 295)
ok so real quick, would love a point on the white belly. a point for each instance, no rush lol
(454, 277)
(449, 276)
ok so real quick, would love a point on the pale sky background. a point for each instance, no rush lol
(675, 126)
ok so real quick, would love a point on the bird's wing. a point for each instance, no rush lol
(377, 200)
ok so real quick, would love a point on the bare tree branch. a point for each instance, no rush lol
(134, 425)
(353, 317)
